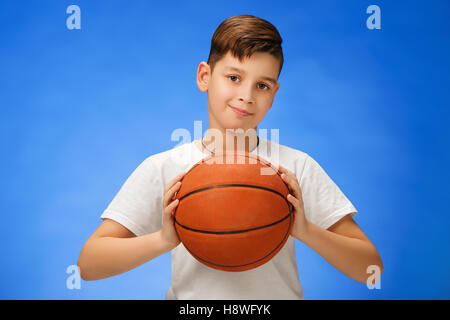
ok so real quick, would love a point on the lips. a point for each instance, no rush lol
(240, 111)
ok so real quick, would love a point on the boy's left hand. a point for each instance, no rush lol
(300, 225)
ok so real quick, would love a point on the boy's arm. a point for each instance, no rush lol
(113, 249)
(345, 247)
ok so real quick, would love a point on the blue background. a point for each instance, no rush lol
(81, 109)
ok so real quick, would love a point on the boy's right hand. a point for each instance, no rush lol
(168, 233)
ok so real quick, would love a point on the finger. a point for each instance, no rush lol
(293, 185)
(281, 169)
(291, 180)
(285, 178)
(175, 190)
(170, 194)
(173, 181)
(293, 200)
(288, 179)
(297, 199)
(287, 172)
(283, 174)
(168, 211)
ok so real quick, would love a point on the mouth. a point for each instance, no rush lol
(241, 112)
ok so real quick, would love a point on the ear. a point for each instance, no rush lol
(203, 76)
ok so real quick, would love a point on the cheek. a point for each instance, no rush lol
(223, 90)
(262, 112)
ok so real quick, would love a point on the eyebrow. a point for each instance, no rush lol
(243, 72)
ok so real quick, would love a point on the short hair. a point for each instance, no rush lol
(244, 35)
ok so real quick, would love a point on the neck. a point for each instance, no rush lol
(230, 140)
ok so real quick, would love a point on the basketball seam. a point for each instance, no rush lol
(234, 231)
(230, 185)
(234, 154)
(225, 186)
(253, 262)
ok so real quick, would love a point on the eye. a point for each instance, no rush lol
(265, 87)
(232, 77)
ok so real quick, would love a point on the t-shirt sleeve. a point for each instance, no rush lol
(138, 204)
(324, 202)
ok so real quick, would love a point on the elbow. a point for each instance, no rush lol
(88, 270)
(372, 273)
(378, 262)
(375, 268)
(84, 274)
(82, 269)
(83, 266)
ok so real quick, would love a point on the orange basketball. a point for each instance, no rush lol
(231, 216)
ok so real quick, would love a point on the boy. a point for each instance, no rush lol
(241, 80)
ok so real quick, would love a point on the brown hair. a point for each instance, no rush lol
(244, 35)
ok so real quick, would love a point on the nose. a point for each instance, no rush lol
(245, 94)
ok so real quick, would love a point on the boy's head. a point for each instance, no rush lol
(243, 67)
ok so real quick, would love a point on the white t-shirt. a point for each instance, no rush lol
(138, 207)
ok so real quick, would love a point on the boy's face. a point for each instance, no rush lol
(247, 87)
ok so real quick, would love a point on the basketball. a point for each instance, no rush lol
(230, 216)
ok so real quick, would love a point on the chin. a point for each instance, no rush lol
(235, 126)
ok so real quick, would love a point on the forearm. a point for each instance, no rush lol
(351, 256)
(106, 256)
